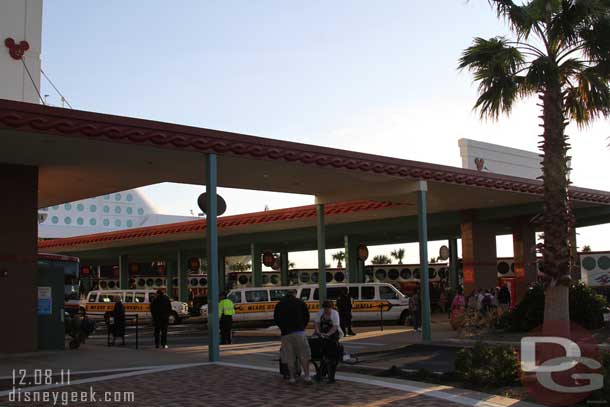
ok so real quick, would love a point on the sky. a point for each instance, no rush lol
(376, 77)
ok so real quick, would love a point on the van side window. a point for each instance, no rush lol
(92, 297)
(367, 293)
(129, 297)
(305, 294)
(140, 297)
(353, 292)
(257, 296)
(235, 297)
(277, 295)
(151, 297)
(387, 293)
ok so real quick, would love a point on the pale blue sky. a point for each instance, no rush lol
(378, 77)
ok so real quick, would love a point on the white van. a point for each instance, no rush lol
(100, 304)
(370, 301)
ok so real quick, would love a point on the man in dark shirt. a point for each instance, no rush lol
(161, 308)
(292, 316)
(344, 306)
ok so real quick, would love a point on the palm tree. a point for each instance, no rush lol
(398, 254)
(339, 256)
(560, 52)
(381, 259)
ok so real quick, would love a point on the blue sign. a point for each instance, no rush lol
(45, 301)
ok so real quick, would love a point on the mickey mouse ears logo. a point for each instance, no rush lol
(479, 162)
(15, 50)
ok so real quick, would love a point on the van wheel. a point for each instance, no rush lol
(173, 318)
(404, 317)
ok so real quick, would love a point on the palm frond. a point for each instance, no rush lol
(521, 19)
(495, 65)
(596, 38)
(589, 99)
(574, 16)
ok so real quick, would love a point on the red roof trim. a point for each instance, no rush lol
(199, 225)
(52, 120)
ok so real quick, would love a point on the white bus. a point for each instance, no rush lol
(371, 301)
(100, 304)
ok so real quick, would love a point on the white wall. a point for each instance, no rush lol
(20, 20)
(499, 159)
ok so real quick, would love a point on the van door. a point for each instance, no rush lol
(257, 306)
(236, 297)
(361, 310)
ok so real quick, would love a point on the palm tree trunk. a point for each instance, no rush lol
(557, 214)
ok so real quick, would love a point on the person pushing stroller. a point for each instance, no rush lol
(325, 342)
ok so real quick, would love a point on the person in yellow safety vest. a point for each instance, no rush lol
(226, 310)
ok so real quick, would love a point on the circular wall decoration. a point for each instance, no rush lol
(106, 209)
(129, 210)
(380, 274)
(265, 279)
(416, 274)
(158, 282)
(314, 277)
(268, 259)
(92, 221)
(129, 223)
(111, 284)
(68, 206)
(55, 219)
(117, 209)
(92, 208)
(203, 282)
(393, 274)
(329, 277)
(80, 207)
(80, 221)
(140, 211)
(242, 279)
(106, 222)
(149, 282)
(275, 279)
(304, 277)
(117, 223)
(194, 281)
(141, 282)
(503, 267)
(129, 197)
(339, 276)
(604, 262)
(405, 274)
(67, 220)
(117, 197)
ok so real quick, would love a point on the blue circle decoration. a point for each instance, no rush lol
(106, 209)
(117, 223)
(92, 221)
(129, 223)
(589, 263)
(140, 211)
(67, 206)
(129, 210)
(55, 219)
(604, 262)
(106, 222)
(92, 208)
(117, 209)
(117, 197)
(80, 207)
(129, 197)
(67, 220)
(80, 221)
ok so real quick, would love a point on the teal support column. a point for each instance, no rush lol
(422, 228)
(123, 272)
(321, 252)
(170, 272)
(212, 257)
(182, 268)
(257, 265)
(351, 259)
(284, 267)
(453, 264)
(222, 273)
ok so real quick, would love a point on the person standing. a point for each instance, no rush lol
(458, 306)
(161, 308)
(504, 298)
(292, 316)
(118, 327)
(415, 307)
(344, 306)
(226, 310)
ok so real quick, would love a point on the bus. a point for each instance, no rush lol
(72, 287)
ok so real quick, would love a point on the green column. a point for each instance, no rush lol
(170, 272)
(123, 271)
(351, 259)
(182, 266)
(257, 265)
(284, 267)
(222, 273)
(321, 251)
(422, 227)
(212, 257)
(453, 264)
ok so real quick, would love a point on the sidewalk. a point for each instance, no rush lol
(248, 374)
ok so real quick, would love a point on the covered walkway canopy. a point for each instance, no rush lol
(50, 155)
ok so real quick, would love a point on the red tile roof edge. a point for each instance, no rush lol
(224, 222)
(74, 123)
